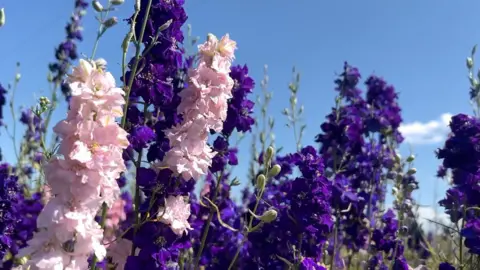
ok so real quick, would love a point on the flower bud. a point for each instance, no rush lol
(398, 157)
(97, 6)
(394, 191)
(101, 63)
(262, 137)
(399, 177)
(261, 182)
(285, 111)
(412, 186)
(117, 2)
(17, 77)
(412, 171)
(269, 216)
(110, 22)
(126, 41)
(2, 17)
(269, 154)
(410, 158)
(469, 62)
(274, 171)
(165, 25)
(137, 5)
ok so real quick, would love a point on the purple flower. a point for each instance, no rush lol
(240, 108)
(66, 52)
(3, 100)
(445, 266)
(140, 137)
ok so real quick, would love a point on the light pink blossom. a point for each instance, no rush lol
(176, 213)
(204, 107)
(83, 174)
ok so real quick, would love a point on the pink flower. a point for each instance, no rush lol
(176, 213)
(204, 107)
(83, 175)
(119, 250)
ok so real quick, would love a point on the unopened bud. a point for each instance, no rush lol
(412, 171)
(285, 111)
(235, 182)
(126, 41)
(17, 77)
(137, 5)
(23, 260)
(398, 157)
(97, 6)
(274, 171)
(262, 137)
(412, 186)
(269, 216)
(269, 153)
(44, 101)
(2, 17)
(394, 191)
(110, 22)
(165, 25)
(117, 2)
(261, 181)
(101, 63)
(469, 62)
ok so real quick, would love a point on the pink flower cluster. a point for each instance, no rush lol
(83, 175)
(204, 107)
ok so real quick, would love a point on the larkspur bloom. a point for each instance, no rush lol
(83, 175)
(204, 107)
(66, 52)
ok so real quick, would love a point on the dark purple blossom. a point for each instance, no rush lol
(66, 52)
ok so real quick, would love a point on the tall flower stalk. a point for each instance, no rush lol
(83, 176)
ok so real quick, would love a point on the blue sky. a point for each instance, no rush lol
(418, 46)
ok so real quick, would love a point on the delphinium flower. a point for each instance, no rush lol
(66, 52)
(31, 156)
(27, 208)
(83, 175)
(221, 243)
(9, 219)
(304, 218)
(3, 100)
(357, 143)
(162, 83)
(155, 87)
(461, 156)
(385, 240)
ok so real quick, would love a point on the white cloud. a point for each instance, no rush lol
(430, 132)
(427, 213)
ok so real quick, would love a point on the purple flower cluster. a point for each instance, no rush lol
(240, 108)
(357, 144)
(461, 155)
(156, 85)
(304, 218)
(9, 219)
(66, 52)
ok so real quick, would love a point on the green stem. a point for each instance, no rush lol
(100, 32)
(245, 235)
(12, 110)
(209, 220)
(335, 234)
(133, 71)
